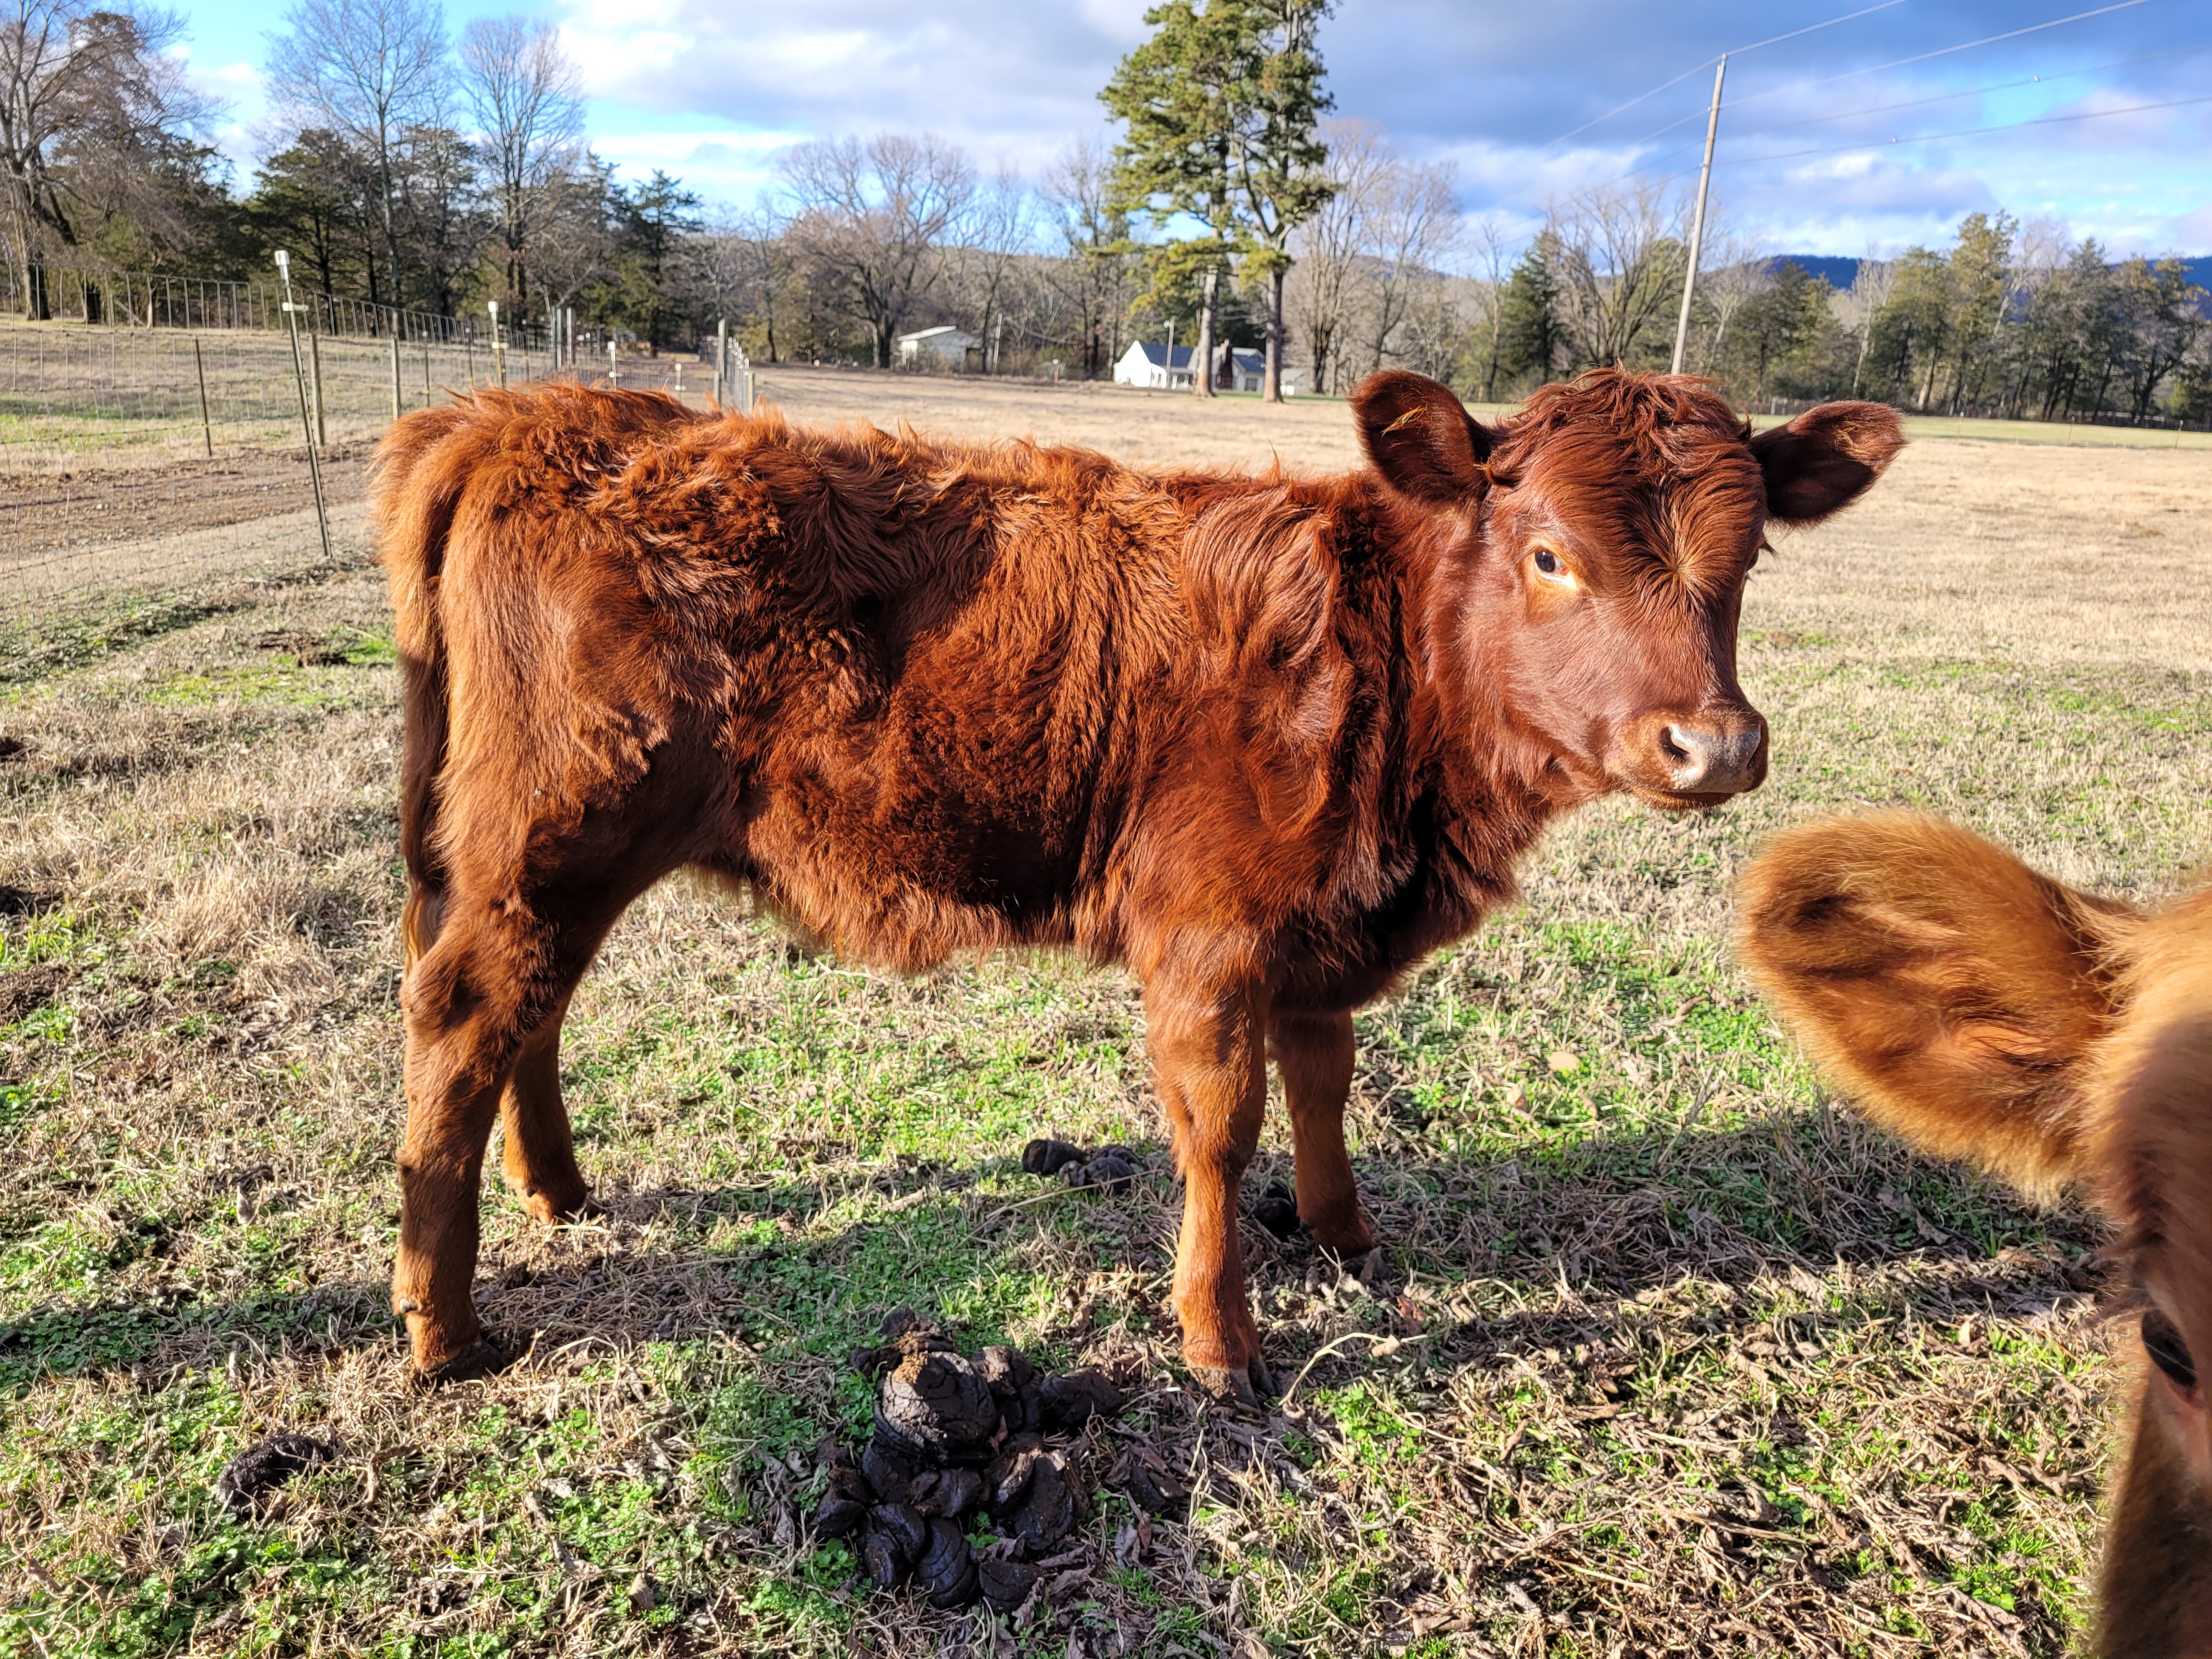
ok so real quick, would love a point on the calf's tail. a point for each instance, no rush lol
(420, 473)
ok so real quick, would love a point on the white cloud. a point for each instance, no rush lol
(1008, 78)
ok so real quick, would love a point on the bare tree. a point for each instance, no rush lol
(1732, 273)
(873, 219)
(1493, 252)
(1856, 306)
(1413, 222)
(91, 104)
(1000, 228)
(1622, 267)
(1093, 279)
(577, 239)
(1331, 246)
(370, 69)
(739, 269)
(528, 102)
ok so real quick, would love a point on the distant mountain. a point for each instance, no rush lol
(1841, 272)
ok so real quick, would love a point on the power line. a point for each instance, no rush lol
(1946, 98)
(1966, 132)
(1734, 51)
(1941, 51)
(1952, 97)
(1847, 74)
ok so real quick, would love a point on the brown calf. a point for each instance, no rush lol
(1266, 740)
(1986, 1012)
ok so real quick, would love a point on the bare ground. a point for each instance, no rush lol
(1670, 1355)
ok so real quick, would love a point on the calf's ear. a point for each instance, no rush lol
(1420, 438)
(1951, 989)
(1824, 460)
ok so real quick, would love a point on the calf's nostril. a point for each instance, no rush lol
(1671, 745)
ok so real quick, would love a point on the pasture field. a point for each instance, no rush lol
(1671, 1355)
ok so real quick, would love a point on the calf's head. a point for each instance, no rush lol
(1597, 547)
(1986, 1012)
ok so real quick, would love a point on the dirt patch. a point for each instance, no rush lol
(56, 512)
(27, 990)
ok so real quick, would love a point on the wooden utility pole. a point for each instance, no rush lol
(1697, 220)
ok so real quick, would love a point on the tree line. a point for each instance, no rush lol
(418, 171)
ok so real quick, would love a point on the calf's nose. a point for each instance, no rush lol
(1720, 754)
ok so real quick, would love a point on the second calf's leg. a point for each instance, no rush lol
(1314, 1055)
(540, 1153)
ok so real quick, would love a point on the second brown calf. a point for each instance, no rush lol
(1987, 1012)
(1266, 740)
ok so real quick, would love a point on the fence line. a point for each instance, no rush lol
(129, 299)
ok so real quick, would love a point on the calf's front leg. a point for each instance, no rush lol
(1312, 1053)
(1209, 1069)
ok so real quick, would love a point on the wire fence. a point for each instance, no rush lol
(152, 300)
(143, 470)
(135, 457)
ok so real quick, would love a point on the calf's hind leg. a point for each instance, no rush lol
(1314, 1055)
(483, 1004)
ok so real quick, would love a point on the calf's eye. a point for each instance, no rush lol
(1547, 561)
(2167, 1351)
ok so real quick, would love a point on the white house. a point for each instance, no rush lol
(1146, 363)
(1236, 368)
(944, 342)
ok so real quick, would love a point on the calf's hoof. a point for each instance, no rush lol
(559, 1209)
(1246, 1385)
(481, 1358)
(1346, 1239)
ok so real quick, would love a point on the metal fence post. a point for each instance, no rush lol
(395, 377)
(315, 381)
(199, 367)
(307, 424)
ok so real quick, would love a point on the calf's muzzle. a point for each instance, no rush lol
(1698, 757)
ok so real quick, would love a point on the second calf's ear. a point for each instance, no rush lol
(1952, 991)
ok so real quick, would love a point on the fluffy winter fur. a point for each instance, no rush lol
(1266, 740)
(1987, 1012)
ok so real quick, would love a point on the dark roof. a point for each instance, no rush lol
(1156, 354)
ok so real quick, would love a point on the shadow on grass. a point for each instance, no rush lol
(1583, 1231)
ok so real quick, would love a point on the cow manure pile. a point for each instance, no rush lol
(266, 1465)
(959, 1441)
(1114, 1169)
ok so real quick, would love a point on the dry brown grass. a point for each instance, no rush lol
(1671, 1356)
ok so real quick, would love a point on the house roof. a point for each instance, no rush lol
(1156, 354)
(939, 332)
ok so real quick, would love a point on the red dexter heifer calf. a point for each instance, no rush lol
(1266, 740)
(1985, 1012)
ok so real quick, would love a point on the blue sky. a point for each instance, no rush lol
(712, 90)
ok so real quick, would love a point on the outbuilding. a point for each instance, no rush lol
(945, 344)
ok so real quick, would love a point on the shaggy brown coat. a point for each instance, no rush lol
(1986, 1012)
(1266, 740)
